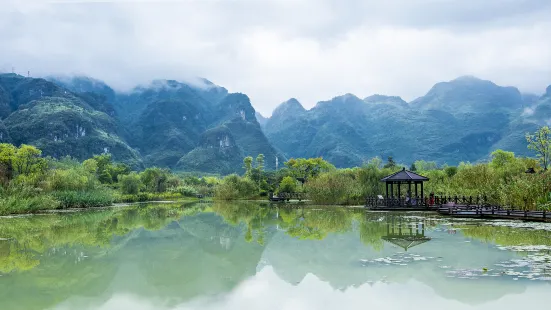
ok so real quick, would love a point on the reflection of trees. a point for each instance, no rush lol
(255, 218)
(30, 239)
(314, 224)
(507, 236)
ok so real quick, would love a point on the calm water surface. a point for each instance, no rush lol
(247, 256)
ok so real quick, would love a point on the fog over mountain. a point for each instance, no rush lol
(272, 50)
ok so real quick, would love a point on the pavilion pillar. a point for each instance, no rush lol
(422, 194)
(386, 187)
(416, 194)
(399, 192)
(409, 188)
(391, 189)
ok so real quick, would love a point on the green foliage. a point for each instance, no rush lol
(84, 199)
(155, 179)
(287, 185)
(20, 204)
(422, 165)
(248, 165)
(390, 163)
(260, 162)
(501, 158)
(540, 142)
(187, 191)
(235, 187)
(308, 168)
(339, 187)
(130, 183)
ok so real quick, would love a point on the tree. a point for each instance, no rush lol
(307, 168)
(7, 154)
(422, 165)
(155, 179)
(91, 165)
(260, 162)
(413, 167)
(28, 160)
(540, 142)
(130, 183)
(248, 165)
(288, 185)
(390, 163)
(501, 158)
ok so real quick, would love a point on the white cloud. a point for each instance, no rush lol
(273, 50)
(528, 112)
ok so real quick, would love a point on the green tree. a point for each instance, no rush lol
(390, 163)
(28, 160)
(413, 167)
(308, 168)
(155, 179)
(422, 165)
(130, 183)
(260, 162)
(7, 155)
(501, 158)
(118, 169)
(540, 142)
(90, 165)
(248, 165)
(288, 185)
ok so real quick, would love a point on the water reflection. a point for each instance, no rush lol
(199, 256)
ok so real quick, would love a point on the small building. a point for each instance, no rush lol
(406, 178)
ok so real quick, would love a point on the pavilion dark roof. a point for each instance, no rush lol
(404, 176)
(406, 242)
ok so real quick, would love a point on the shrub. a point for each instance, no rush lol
(234, 187)
(333, 188)
(287, 185)
(130, 184)
(70, 179)
(187, 191)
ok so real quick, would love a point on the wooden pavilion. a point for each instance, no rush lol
(403, 177)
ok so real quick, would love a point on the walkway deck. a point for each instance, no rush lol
(495, 213)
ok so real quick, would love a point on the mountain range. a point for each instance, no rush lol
(202, 127)
(461, 120)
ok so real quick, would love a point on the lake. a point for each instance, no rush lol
(253, 256)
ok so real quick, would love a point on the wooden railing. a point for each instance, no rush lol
(492, 211)
(419, 202)
(288, 196)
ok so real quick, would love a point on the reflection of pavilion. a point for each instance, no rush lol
(405, 234)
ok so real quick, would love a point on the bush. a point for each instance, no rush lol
(130, 184)
(187, 191)
(70, 180)
(334, 188)
(234, 187)
(287, 185)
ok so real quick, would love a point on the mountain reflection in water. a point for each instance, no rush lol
(246, 256)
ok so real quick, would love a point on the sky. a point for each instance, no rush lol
(273, 50)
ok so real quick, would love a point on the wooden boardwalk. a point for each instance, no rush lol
(282, 197)
(494, 213)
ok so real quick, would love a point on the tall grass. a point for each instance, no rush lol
(84, 199)
(18, 204)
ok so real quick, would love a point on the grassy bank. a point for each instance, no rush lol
(30, 183)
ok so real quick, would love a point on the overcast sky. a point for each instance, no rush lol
(273, 50)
